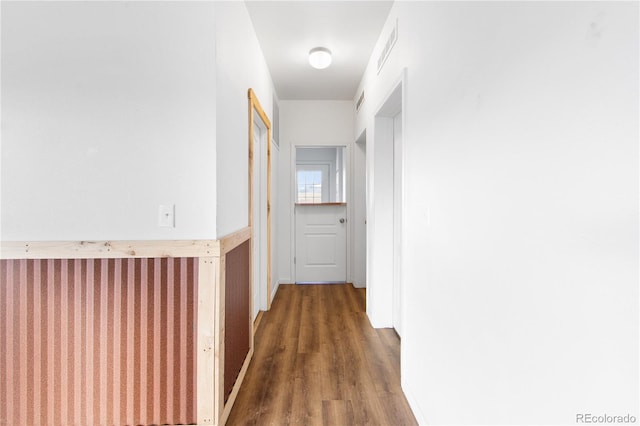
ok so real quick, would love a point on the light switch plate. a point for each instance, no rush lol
(166, 216)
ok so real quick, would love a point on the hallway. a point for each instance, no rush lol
(487, 155)
(318, 361)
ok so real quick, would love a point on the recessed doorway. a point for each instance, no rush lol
(259, 205)
(385, 212)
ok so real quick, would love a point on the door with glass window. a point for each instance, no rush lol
(320, 216)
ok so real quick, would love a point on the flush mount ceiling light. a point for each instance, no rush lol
(320, 57)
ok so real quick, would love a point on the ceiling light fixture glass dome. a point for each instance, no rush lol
(320, 57)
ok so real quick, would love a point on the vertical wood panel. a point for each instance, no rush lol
(101, 334)
(89, 349)
(64, 338)
(8, 408)
(3, 341)
(182, 344)
(98, 341)
(156, 347)
(191, 336)
(130, 347)
(142, 338)
(170, 327)
(78, 333)
(48, 366)
(116, 352)
(237, 314)
(207, 286)
(34, 390)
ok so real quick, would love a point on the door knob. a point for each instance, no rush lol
(341, 220)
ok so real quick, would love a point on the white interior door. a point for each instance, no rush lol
(321, 243)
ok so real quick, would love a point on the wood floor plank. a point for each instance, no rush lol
(318, 361)
(309, 340)
(395, 407)
(337, 413)
(307, 403)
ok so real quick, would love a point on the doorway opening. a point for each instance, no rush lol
(385, 212)
(259, 205)
(320, 214)
(359, 212)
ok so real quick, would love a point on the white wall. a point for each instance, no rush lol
(521, 208)
(311, 123)
(240, 66)
(100, 129)
(108, 111)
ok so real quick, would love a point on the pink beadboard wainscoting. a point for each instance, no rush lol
(119, 333)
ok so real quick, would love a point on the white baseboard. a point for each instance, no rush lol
(413, 403)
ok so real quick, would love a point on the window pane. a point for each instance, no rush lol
(309, 186)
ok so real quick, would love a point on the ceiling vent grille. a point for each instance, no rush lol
(360, 101)
(391, 41)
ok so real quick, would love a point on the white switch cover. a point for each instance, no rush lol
(166, 216)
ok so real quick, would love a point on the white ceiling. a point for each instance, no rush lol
(287, 30)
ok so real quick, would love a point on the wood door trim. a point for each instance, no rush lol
(255, 106)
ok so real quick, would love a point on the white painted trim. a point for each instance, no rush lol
(292, 214)
(352, 278)
(275, 220)
(379, 295)
(348, 198)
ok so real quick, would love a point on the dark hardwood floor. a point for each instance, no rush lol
(318, 361)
